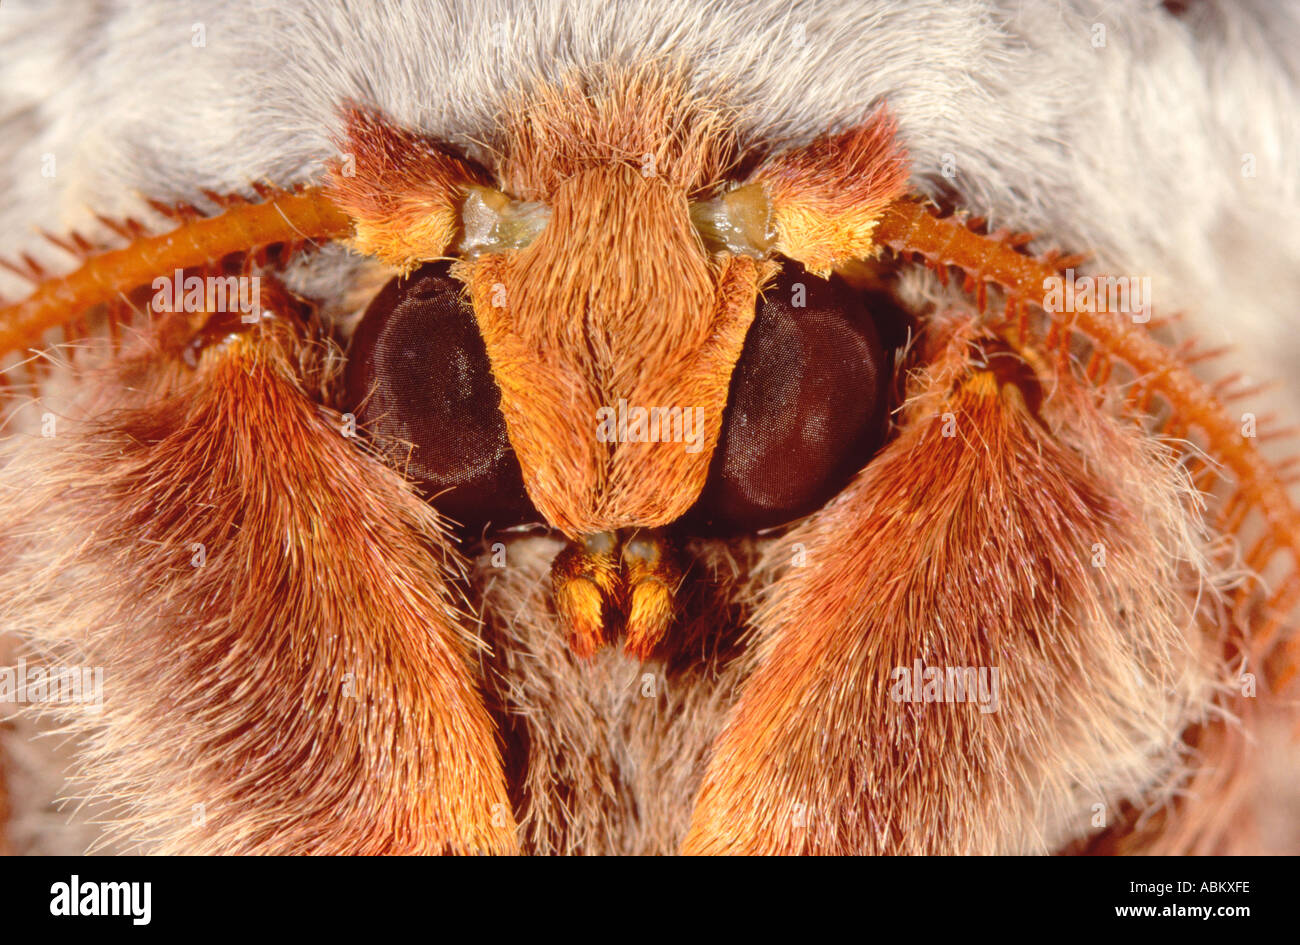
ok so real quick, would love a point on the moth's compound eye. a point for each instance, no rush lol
(806, 409)
(419, 381)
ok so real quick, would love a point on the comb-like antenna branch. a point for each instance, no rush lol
(284, 217)
(907, 226)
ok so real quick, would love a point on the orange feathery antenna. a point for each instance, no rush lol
(289, 217)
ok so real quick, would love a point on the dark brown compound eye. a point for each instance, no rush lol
(418, 379)
(806, 409)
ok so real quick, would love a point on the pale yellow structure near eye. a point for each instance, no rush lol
(484, 220)
(747, 221)
(743, 221)
(820, 242)
(738, 221)
(420, 231)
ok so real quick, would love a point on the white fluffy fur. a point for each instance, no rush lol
(1133, 151)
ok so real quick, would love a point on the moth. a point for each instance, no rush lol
(638, 486)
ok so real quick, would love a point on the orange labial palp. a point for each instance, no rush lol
(283, 218)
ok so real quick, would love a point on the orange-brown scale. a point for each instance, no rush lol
(615, 299)
(402, 189)
(909, 227)
(819, 757)
(827, 196)
(321, 562)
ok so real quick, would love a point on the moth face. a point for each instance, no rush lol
(627, 337)
(651, 351)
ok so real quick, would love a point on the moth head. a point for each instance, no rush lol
(613, 273)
